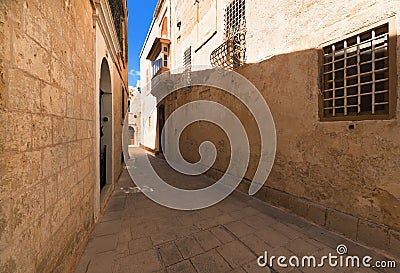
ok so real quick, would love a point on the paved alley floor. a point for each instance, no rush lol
(137, 235)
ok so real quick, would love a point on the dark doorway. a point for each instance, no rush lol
(105, 108)
(161, 123)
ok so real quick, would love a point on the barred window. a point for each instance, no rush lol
(235, 17)
(235, 32)
(356, 77)
(231, 54)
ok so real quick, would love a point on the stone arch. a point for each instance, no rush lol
(106, 125)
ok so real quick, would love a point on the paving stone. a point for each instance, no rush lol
(281, 251)
(83, 264)
(115, 204)
(107, 228)
(301, 247)
(170, 254)
(239, 228)
(166, 225)
(272, 237)
(216, 221)
(210, 262)
(161, 238)
(238, 270)
(259, 221)
(103, 243)
(230, 205)
(112, 216)
(144, 228)
(246, 212)
(101, 263)
(323, 236)
(207, 240)
(188, 247)
(253, 267)
(235, 253)
(288, 231)
(140, 245)
(223, 219)
(122, 250)
(181, 267)
(185, 231)
(210, 212)
(222, 234)
(124, 235)
(143, 262)
(256, 244)
(190, 219)
(327, 269)
(295, 222)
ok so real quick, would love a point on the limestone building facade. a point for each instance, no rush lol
(328, 71)
(63, 97)
(135, 117)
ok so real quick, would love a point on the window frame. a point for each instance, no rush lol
(392, 47)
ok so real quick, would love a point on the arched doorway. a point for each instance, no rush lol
(106, 125)
(161, 123)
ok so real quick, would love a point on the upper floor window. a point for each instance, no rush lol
(358, 77)
(235, 17)
(231, 54)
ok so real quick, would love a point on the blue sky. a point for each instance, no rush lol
(140, 14)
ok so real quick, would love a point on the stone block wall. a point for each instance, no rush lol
(47, 132)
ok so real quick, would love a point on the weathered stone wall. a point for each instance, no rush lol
(135, 116)
(345, 179)
(47, 137)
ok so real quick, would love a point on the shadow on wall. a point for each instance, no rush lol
(345, 165)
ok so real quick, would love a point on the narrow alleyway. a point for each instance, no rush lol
(138, 235)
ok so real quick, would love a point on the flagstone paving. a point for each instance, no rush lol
(137, 235)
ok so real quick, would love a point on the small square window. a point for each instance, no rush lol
(357, 77)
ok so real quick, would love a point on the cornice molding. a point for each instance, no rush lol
(105, 21)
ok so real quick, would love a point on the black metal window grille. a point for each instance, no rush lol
(231, 54)
(235, 17)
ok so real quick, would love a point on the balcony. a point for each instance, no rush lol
(156, 66)
(159, 56)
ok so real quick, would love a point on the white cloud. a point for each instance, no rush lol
(134, 73)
